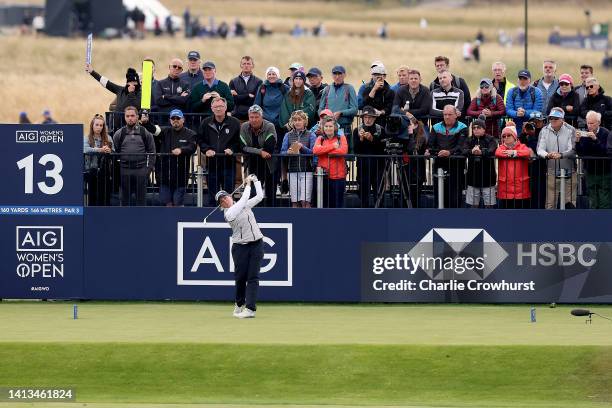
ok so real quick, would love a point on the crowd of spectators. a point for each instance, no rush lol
(512, 146)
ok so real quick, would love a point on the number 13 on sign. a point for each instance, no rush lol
(27, 163)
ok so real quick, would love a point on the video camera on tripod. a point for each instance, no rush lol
(394, 177)
(396, 132)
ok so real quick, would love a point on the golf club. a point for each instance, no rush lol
(231, 194)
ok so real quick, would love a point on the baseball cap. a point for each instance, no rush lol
(479, 122)
(524, 73)
(378, 69)
(369, 111)
(46, 112)
(255, 109)
(296, 65)
(314, 71)
(338, 68)
(326, 112)
(486, 81)
(209, 64)
(556, 113)
(566, 78)
(376, 63)
(220, 195)
(536, 115)
(193, 55)
(174, 113)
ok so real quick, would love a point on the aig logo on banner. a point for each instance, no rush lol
(40, 239)
(26, 136)
(204, 254)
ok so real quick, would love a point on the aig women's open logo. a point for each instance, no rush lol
(204, 254)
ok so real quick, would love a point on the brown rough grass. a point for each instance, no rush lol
(49, 72)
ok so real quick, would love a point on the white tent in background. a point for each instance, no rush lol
(152, 8)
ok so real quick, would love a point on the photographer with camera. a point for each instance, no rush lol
(378, 94)
(529, 136)
(481, 175)
(596, 141)
(448, 139)
(368, 142)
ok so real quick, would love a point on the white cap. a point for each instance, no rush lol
(378, 69)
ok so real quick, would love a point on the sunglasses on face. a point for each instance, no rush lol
(564, 84)
(175, 118)
(176, 66)
(506, 136)
(590, 86)
(484, 86)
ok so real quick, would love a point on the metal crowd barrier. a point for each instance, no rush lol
(353, 181)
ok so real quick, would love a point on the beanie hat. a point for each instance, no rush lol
(131, 76)
(510, 129)
(273, 69)
(299, 74)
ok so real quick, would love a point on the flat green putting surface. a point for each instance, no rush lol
(196, 354)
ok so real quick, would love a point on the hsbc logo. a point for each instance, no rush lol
(457, 253)
(204, 254)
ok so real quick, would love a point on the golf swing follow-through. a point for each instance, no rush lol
(230, 194)
(247, 244)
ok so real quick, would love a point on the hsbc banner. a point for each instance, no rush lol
(41, 213)
(468, 265)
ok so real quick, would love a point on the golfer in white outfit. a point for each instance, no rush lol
(247, 245)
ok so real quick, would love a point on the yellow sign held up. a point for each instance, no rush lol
(147, 78)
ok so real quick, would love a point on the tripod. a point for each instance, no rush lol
(393, 165)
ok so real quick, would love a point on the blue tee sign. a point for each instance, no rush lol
(41, 207)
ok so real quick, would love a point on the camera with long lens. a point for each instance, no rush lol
(393, 147)
(396, 132)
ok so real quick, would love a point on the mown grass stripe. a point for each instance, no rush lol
(314, 374)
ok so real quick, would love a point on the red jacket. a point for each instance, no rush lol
(498, 109)
(513, 179)
(335, 166)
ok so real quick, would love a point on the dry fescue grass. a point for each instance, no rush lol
(344, 17)
(47, 72)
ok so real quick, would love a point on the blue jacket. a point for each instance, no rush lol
(270, 97)
(530, 100)
(546, 93)
(342, 100)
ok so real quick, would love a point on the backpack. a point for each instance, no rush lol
(494, 100)
(531, 93)
(262, 90)
(123, 134)
(346, 95)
